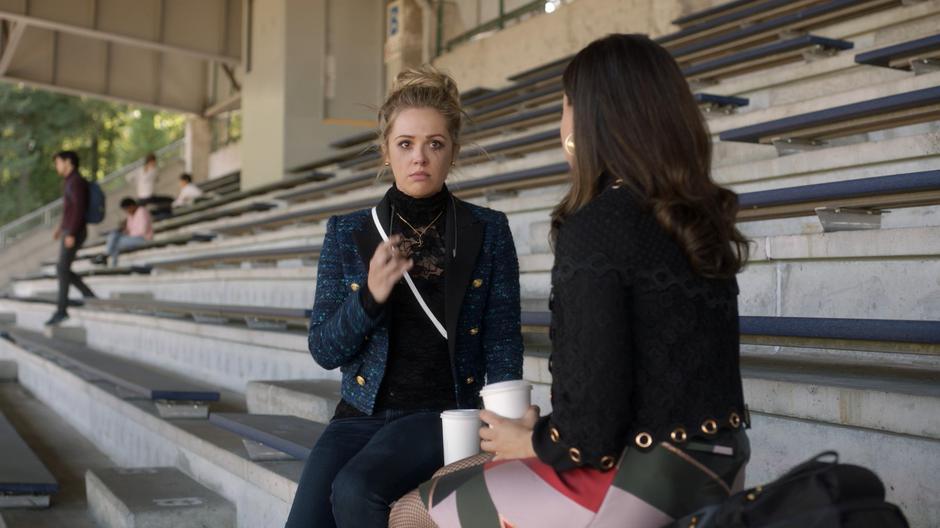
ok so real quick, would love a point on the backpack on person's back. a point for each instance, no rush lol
(94, 214)
(818, 493)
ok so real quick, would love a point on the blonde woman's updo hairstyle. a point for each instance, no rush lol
(423, 87)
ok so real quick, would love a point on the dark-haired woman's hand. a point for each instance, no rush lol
(386, 268)
(506, 438)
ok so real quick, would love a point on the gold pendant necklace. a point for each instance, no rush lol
(421, 232)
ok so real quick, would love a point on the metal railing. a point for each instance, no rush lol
(497, 23)
(50, 213)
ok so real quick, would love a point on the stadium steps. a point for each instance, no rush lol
(154, 497)
(130, 432)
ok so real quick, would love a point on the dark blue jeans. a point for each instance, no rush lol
(360, 466)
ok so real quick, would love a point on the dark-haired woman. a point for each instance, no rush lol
(648, 413)
(417, 303)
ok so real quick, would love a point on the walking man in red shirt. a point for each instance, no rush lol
(72, 231)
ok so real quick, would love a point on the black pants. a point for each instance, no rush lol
(361, 465)
(66, 276)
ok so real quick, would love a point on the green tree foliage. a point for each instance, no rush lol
(35, 124)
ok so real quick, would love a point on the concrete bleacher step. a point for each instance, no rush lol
(7, 371)
(161, 497)
(891, 399)
(869, 100)
(174, 397)
(289, 435)
(899, 401)
(25, 482)
(311, 399)
(132, 434)
(68, 331)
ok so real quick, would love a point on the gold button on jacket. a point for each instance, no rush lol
(354, 286)
(361, 381)
(474, 331)
(477, 283)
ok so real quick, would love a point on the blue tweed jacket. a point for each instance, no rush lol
(482, 309)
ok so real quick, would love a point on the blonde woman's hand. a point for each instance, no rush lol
(386, 268)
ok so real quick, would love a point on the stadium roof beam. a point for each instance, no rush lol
(170, 25)
(14, 32)
(154, 53)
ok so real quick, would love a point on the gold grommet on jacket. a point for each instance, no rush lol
(554, 434)
(679, 435)
(575, 454)
(643, 440)
(734, 420)
(607, 462)
(709, 427)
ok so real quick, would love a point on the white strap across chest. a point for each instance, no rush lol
(414, 289)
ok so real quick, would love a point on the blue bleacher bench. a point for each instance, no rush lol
(720, 101)
(769, 29)
(245, 255)
(832, 119)
(776, 52)
(897, 190)
(288, 434)
(724, 18)
(697, 16)
(145, 381)
(900, 55)
(21, 471)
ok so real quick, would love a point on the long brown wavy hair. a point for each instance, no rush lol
(635, 119)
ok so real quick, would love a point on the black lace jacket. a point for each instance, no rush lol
(644, 349)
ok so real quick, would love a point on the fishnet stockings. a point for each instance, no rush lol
(409, 511)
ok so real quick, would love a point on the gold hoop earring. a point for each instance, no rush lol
(569, 144)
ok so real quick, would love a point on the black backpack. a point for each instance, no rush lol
(819, 493)
(95, 212)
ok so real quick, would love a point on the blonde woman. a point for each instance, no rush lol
(417, 302)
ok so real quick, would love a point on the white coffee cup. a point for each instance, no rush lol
(509, 399)
(461, 429)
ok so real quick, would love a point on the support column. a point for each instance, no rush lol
(405, 36)
(313, 74)
(197, 147)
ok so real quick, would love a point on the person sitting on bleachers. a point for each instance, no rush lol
(408, 349)
(136, 231)
(144, 179)
(648, 414)
(189, 191)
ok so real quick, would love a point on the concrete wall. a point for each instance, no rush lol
(540, 39)
(225, 160)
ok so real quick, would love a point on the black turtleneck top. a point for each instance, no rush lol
(418, 372)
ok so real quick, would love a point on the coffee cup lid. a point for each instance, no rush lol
(461, 414)
(505, 385)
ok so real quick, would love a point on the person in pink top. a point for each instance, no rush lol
(137, 231)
